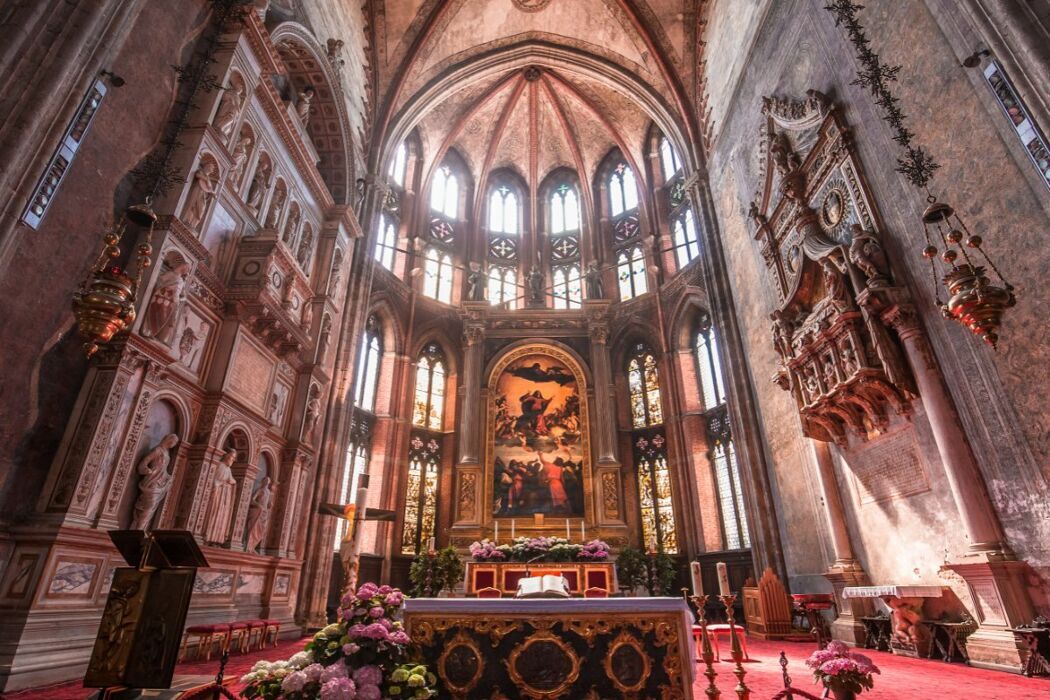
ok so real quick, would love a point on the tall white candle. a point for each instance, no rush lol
(698, 582)
(512, 528)
(430, 545)
(495, 537)
(723, 579)
(567, 534)
(583, 532)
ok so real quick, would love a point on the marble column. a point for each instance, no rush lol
(846, 570)
(468, 509)
(608, 505)
(994, 579)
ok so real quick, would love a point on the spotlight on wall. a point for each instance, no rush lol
(114, 79)
(974, 59)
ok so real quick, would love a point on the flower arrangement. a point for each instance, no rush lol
(841, 670)
(550, 549)
(363, 656)
(433, 572)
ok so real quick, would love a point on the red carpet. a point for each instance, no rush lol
(901, 678)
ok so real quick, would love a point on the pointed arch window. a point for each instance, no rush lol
(630, 272)
(437, 275)
(503, 285)
(565, 210)
(643, 382)
(565, 270)
(444, 193)
(686, 245)
(357, 455)
(421, 492)
(623, 190)
(654, 492)
(727, 479)
(711, 380)
(567, 287)
(429, 409)
(386, 245)
(503, 211)
(668, 159)
(368, 367)
(397, 165)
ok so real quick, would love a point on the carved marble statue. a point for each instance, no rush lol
(229, 109)
(260, 183)
(756, 216)
(189, 344)
(536, 286)
(783, 333)
(169, 295)
(220, 502)
(308, 316)
(240, 157)
(595, 287)
(334, 51)
(324, 339)
(155, 482)
(865, 251)
(291, 226)
(313, 414)
(302, 104)
(835, 286)
(784, 157)
(202, 191)
(259, 514)
(305, 248)
(476, 283)
(276, 204)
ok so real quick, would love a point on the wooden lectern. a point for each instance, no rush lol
(138, 638)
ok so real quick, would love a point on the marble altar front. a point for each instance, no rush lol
(640, 647)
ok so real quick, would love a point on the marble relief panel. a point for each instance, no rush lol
(282, 585)
(250, 584)
(250, 374)
(72, 578)
(213, 583)
(191, 339)
(20, 574)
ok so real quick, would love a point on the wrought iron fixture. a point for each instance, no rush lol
(974, 300)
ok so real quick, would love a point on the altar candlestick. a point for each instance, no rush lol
(723, 579)
(496, 536)
(698, 583)
(430, 545)
(512, 529)
(568, 536)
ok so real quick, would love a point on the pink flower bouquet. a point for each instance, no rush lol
(842, 670)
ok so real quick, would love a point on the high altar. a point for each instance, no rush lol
(636, 647)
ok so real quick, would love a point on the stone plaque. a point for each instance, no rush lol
(888, 467)
(250, 375)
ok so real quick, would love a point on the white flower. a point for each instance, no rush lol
(301, 660)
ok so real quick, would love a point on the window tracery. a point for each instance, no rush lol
(437, 275)
(444, 193)
(630, 272)
(386, 244)
(357, 455)
(643, 382)
(668, 159)
(421, 492)
(686, 245)
(654, 492)
(429, 407)
(398, 165)
(368, 367)
(565, 224)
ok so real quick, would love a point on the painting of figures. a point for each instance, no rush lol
(538, 453)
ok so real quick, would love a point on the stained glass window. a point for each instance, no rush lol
(630, 273)
(654, 492)
(429, 407)
(727, 477)
(424, 461)
(444, 193)
(668, 159)
(437, 275)
(711, 381)
(643, 381)
(356, 458)
(686, 246)
(386, 245)
(503, 211)
(568, 287)
(397, 165)
(503, 286)
(623, 190)
(565, 210)
(368, 367)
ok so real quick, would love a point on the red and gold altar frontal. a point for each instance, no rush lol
(504, 576)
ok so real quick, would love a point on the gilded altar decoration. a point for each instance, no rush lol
(545, 666)
(461, 664)
(626, 663)
(538, 434)
(820, 240)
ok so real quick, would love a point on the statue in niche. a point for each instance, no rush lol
(595, 287)
(313, 414)
(334, 51)
(276, 204)
(809, 379)
(291, 226)
(202, 191)
(865, 251)
(240, 157)
(756, 216)
(476, 283)
(307, 317)
(155, 482)
(278, 399)
(169, 295)
(325, 338)
(229, 109)
(303, 104)
(835, 286)
(784, 157)
(220, 502)
(305, 247)
(783, 333)
(259, 514)
(536, 286)
(337, 272)
(260, 183)
(190, 342)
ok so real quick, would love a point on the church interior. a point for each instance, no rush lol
(525, 348)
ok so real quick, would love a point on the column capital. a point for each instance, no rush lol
(474, 334)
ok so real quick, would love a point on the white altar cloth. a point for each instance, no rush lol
(619, 607)
(892, 592)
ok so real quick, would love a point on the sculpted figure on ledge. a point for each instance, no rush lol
(220, 503)
(155, 482)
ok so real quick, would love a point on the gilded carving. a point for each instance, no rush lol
(610, 495)
(544, 667)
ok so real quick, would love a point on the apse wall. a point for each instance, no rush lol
(1000, 396)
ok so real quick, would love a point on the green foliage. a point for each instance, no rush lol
(432, 573)
(631, 567)
(656, 573)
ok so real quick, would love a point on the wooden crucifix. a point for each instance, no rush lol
(354, 513)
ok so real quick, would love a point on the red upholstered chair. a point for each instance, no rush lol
(715, 630)
(256, 631)
(596, 593)
(484, 578)
(205, 637)
(598, 578)
(271, 628)
(489, 593)
(240, 635)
